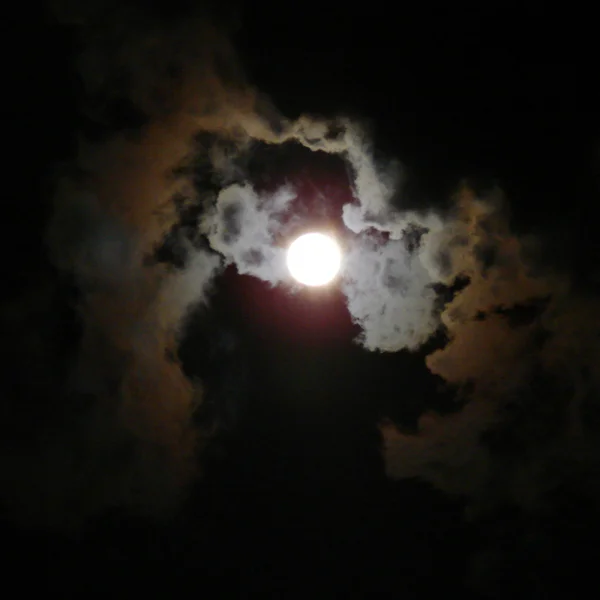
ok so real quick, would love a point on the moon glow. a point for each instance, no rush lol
(314, 259)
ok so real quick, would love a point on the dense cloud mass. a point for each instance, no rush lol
(390, 295)
(522, 346)
(241, 228)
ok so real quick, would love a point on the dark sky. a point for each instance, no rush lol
(293, 497)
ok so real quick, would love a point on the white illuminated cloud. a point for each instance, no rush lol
(314, 259)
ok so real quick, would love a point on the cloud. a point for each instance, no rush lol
(390, 295)
(388, 279)
(242, 226)
(522, 353)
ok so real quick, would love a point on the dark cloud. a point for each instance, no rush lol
(522, 352)
(121, 432)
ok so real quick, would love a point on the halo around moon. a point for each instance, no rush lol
(314, 259)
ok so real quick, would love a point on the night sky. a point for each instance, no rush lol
(164, 415)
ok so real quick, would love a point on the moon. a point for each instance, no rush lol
(314, 259)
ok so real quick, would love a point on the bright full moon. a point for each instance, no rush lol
(314, 259)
